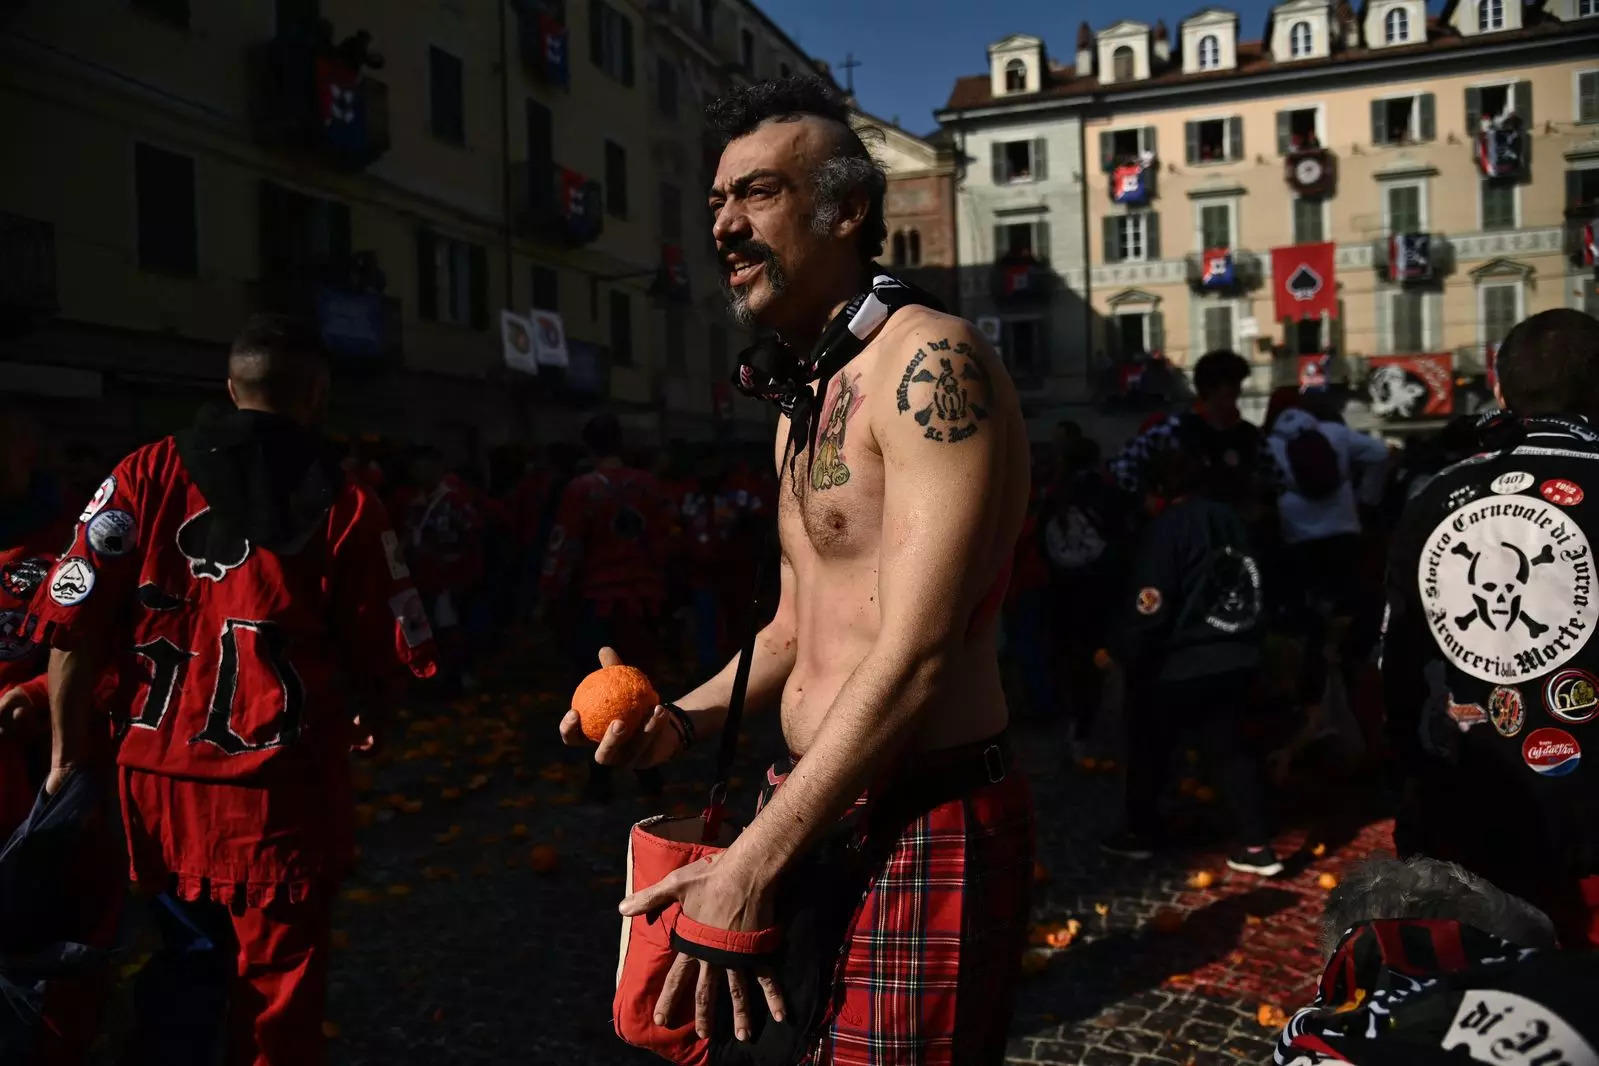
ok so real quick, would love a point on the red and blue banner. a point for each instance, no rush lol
(554, 50)
(1313, 370)
(1129, 184)
(580, 205)
(1590, 245)
(1304, 283)
(672, 280)
(339, 104)
(1410, 257)
(1501, 148)
(1217, 270)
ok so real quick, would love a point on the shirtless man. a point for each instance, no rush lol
(881, 654)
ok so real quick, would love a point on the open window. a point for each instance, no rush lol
(1215, 140)
(1301, 125)
(1018, 161)
(1125, 145)
(1403, 119)
(1015, 76)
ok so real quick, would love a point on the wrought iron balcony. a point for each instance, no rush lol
(551, 203)
(305, 97)
(1410, 262)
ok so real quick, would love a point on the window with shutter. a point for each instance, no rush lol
(1407, 320)
(1019, 161)
(1001, 173)
(1309, 217)
(1403, 204)
(1113, 239)
(164, 188)
(1498, 312)
(1582, 191)
(1235, 138)
(1040, 159)
(1588, 95)
(1215, 226)
(611, 41)
(1107, 150)
(1131, 237)
(1151, 235)
(447, 106)
(615, 179)
(1146, 139)
(1191, 142)
(621, 329)
(1498, 205)
(1218, 328)
(676, 338)
(546, 289)
(1429, 122)
(666, 87)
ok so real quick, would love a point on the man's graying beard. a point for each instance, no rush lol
(738, 300)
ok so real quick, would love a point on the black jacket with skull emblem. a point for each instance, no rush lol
(1492, 574)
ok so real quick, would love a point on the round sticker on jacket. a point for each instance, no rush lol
(1551, 752)
(113, 533)
(1561, 491)
(1511, 483)
(101, 497)
(1507, 583)
(1506, 711)
(1148, 600)
(72, 582)
(1572, 696)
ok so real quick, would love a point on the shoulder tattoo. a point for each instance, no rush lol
(946, 388)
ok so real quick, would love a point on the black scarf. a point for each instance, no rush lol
(769, 369)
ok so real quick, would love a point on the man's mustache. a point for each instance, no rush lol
(747, 248)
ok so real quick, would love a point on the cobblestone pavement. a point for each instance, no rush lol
(458, 944)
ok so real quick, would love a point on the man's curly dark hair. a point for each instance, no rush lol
(851, 167)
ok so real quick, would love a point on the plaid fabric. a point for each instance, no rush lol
(1131, 467)
(927, 972)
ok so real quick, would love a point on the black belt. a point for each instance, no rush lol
(930, 779)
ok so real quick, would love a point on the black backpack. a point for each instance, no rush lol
(1314, 464)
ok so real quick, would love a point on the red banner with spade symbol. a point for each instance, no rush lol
(1303, 282)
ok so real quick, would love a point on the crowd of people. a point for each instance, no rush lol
(200, 648)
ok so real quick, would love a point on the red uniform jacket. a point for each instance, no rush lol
(235, 755)
(442, 534)
(611, 538)
(23, 568)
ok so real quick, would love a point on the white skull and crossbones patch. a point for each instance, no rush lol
(1507, 585)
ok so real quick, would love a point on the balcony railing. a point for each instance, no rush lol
(1022, 278)
(27, 271)
(547, 204)
(544, 40)
(1240, 273)
(1413, 258)
(303, 97)
(357, 322)
(1582, 239)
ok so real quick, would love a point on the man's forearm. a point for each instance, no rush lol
(864, 730)
(73, 675)
(770, 666)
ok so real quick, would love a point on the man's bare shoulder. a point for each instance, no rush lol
(924, 360)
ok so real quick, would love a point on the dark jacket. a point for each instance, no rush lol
(1193, 607)
(1492, 574)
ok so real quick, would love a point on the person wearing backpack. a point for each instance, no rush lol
(1318, 459)
(1187, 635)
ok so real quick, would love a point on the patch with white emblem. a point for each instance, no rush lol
(1507, 586)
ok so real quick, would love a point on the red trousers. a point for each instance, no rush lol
(262, 969)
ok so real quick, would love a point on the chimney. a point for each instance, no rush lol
(1162, 41)
(1085, 50)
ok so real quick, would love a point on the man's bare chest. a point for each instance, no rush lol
(831, 505)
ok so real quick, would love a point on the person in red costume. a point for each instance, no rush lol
(610, 543)
(442, 532)
(242, 579)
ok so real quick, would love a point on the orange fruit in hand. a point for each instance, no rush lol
(613, 693)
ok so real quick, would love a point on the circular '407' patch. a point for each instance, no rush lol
(1507, 583)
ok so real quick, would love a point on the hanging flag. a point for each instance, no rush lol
(549, 339)
(1129, 183)
(1590, 245)
(556, 46)
(1218, 271)
(1304, 282)
(580, 204)
(1313, 372)
(1017, 278)
(1412, 386)
(516, 342)
(1500, 147)
(339, 104)
(1410, 257)
(671, 280)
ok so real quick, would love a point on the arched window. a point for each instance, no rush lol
(1209, 52)
(1016, 76)
(1490, 15)
(1299, 38)
(914, 249)
(899, 249)
(1396, 26)
(1121, 64)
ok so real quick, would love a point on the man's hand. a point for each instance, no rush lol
(17, 712)
(721, 895)
(639, 748)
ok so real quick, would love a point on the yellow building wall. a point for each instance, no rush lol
(1445, 166)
